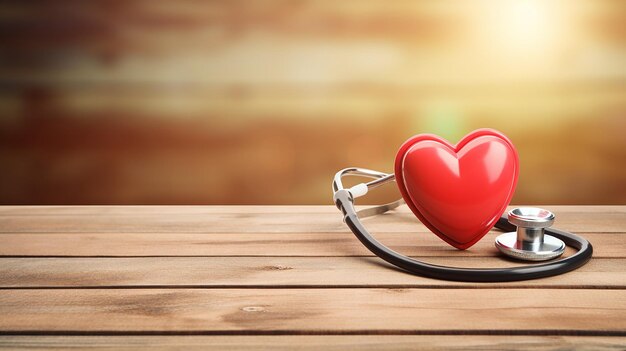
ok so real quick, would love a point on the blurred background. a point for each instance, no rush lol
(261, 102)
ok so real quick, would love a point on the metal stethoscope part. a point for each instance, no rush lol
(533, 241)
(530, 243)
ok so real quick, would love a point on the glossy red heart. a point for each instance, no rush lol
(458, 191)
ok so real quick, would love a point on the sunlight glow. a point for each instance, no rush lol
(522, 27)
(526, 22)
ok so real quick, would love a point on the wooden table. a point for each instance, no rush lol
(261, 277)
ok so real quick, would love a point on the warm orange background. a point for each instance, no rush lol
(260, 102)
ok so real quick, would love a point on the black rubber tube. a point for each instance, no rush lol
(411, 265)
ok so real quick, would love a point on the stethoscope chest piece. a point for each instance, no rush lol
(530, 243)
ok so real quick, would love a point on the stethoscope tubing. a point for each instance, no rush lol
(344, 200)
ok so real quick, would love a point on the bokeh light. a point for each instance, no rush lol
(239, 102)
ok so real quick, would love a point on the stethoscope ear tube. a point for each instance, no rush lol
(345, 202)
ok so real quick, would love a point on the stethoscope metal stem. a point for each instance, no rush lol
(380, 181)
(380, 178)
(529, 238)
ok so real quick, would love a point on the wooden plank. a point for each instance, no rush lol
(316, 342)
(501, 311)
(102, 219)
(215, 272)
(420, 244)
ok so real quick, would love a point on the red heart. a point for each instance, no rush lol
(458, 191)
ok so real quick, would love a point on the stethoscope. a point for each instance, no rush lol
(528, 238)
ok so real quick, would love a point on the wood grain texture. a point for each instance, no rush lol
(364, 310)
(212, 272)
(290, 276)
(218, 219)
(254, 231)
(316, 342)
(419, 244)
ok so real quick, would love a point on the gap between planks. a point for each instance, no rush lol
(289, 332)
(315, 342)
